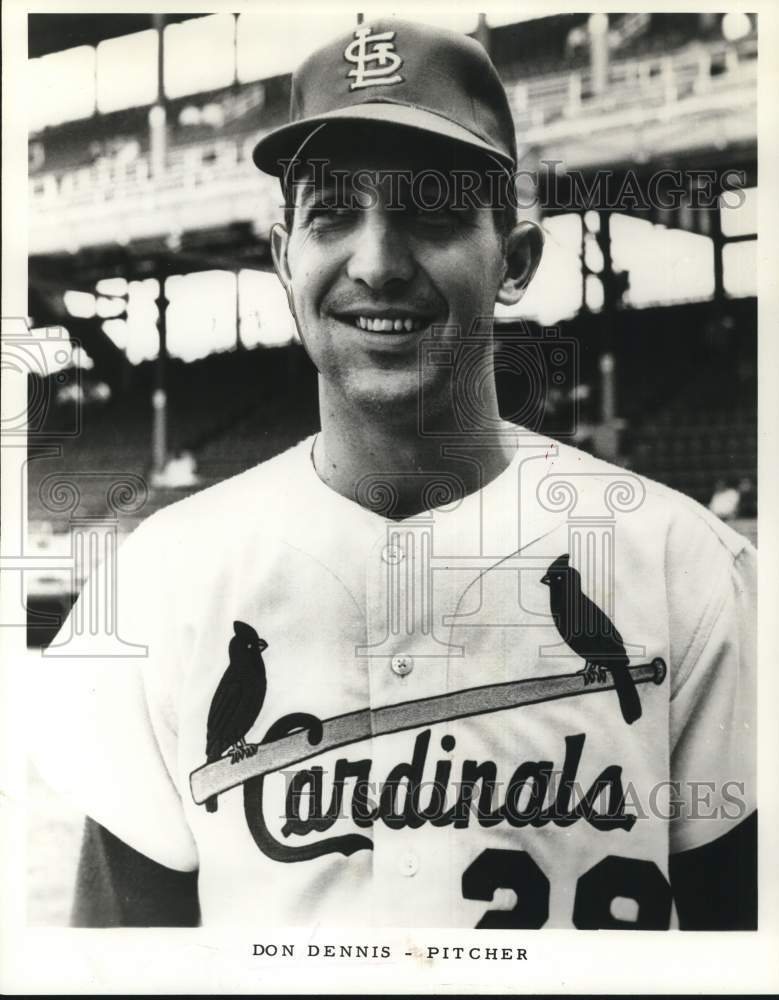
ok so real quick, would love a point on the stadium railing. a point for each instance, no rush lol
(207, 183)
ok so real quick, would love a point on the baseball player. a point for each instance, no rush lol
(426, 668)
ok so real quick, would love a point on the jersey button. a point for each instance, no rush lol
(392, 554)
(402, 665)
(409, 864)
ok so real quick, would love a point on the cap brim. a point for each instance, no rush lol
(274, 151)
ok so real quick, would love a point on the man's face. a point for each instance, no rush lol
(369, 272)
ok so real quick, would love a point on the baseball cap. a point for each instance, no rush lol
(399, 73)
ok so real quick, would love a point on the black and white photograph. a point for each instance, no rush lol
(381, 493)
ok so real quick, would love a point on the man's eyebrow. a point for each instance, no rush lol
(311, 192)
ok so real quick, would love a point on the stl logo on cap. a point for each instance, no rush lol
(381, 53)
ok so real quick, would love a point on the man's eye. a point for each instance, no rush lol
(329, 213)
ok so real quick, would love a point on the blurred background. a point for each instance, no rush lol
(177, 362)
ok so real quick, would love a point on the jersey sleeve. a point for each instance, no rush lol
(106, 733)
(714, 698)
(118, 887)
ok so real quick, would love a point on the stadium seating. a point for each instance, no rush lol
(692, 451)
(703, 427)
(230, 410)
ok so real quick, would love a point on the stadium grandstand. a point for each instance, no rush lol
(149, 229)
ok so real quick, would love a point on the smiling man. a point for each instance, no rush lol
(373, 263)
(427, 668)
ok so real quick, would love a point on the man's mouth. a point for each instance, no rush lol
(375, 325)
(393, 323)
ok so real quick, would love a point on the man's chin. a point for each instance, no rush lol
(393, 395)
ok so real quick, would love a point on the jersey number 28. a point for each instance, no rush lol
(612, 878)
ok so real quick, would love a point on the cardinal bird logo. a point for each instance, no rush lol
(590, 633)
(237, 700)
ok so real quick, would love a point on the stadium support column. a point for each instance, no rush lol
(598, 28)
(607, 432)
(158, 141)
(603, 238)
(238, 341)
(236, 81)
(160, 395)
(157, 113)
(719, 245)
(607, 437)
(482, 33)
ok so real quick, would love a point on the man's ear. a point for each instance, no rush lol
(524, 247)
(279, 241)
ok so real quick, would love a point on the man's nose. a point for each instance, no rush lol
(380, 254)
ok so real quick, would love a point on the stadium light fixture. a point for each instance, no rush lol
(111, 286)
(735, 26)
(80, 304)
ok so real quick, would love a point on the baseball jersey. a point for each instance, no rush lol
(438, 738)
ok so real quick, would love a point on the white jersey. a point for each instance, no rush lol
(430, 744)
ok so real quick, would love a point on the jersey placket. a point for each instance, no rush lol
(407, 661)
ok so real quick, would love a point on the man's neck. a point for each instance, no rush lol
(396, 469)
